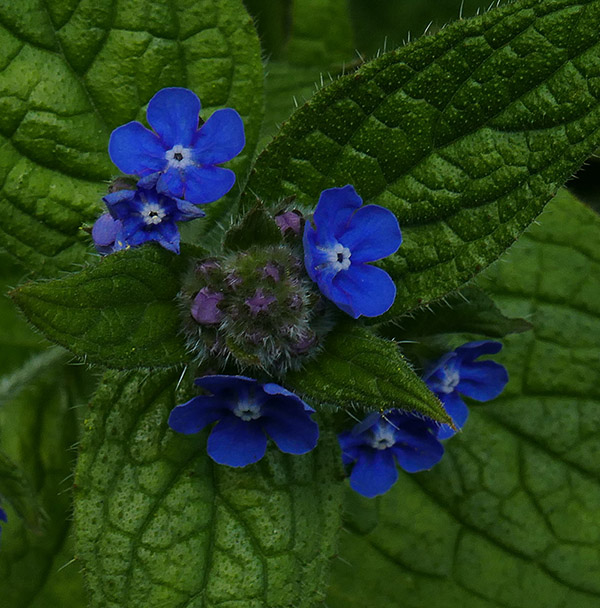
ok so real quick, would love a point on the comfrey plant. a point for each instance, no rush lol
(305, 343)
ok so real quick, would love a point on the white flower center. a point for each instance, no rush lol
(179, 157)
(450, 381)
(383, 437)
(247, 410)
(153, 213)
(339, 257)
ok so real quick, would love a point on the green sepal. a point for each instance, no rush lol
(470, 311)
(463, 135)
(160, 525)
(120, 312)
(360, 373)
(257, 227)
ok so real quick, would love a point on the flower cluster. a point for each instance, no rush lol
(177, 169)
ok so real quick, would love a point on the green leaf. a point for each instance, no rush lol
(464, 135)
(37, 432)
(160, 525)
(257, 227)
(120, 312)
(359, 371)
(469, 311)
(72, 71)
(510, 515)
(319, 44)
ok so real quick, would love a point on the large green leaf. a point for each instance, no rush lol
(120, 312)
(72, 71)
(358, 371)
(160, 525)
(510, 517)
(37, 431)
(464, 135)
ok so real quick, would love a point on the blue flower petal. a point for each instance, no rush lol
(290, 426)
(275, 389)
(419, 454)
(105, 230)
(333, 212)
(482, 380)
(186, 211)
(351, 445)
(171, 183)
(135, 150)
(191, 417)
(173, 113)
(373, 233)
(3, 516)
(220, 138)
(471, 350)
(237, 443)
(207, 184)
(374, 472)
(369, 289)
(457, 410)
(167, 234)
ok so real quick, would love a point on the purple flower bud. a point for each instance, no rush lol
(295, 301)
(205, 307)
(259, 302)
(105, 232)
(271, 270)
(289, 220)
(305, 343)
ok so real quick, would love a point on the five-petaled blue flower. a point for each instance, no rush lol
(458, 373)
(142, 215)
(179, 158)
(375, 445)
(246, 412)
(344, 238)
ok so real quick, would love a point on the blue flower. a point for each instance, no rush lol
(246, 412)
(179, 158)
(346, 236)
(457, 373)
(374, 446)
(144, 215)
(105, 232)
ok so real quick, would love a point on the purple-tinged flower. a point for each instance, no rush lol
(105, 232)
(346, 236)
(147, 215)
(179, 158)
(205, 307)
(259, 302)
(270, 270)
(457, 373)
(289, 220)
(247, 412)
(382, 440)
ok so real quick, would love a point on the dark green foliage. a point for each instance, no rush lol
(464, 135)
(257, 227)
(359, 372)
(121, 312)
(159, 523)
(510, 515)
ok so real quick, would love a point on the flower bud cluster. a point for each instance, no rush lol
(256, 308)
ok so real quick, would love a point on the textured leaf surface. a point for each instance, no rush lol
(160, 525)
(37, 432)
(464, 135)
(359, 371)
(72, 71)
(510, 517)
(469, 311)
(120, 312)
